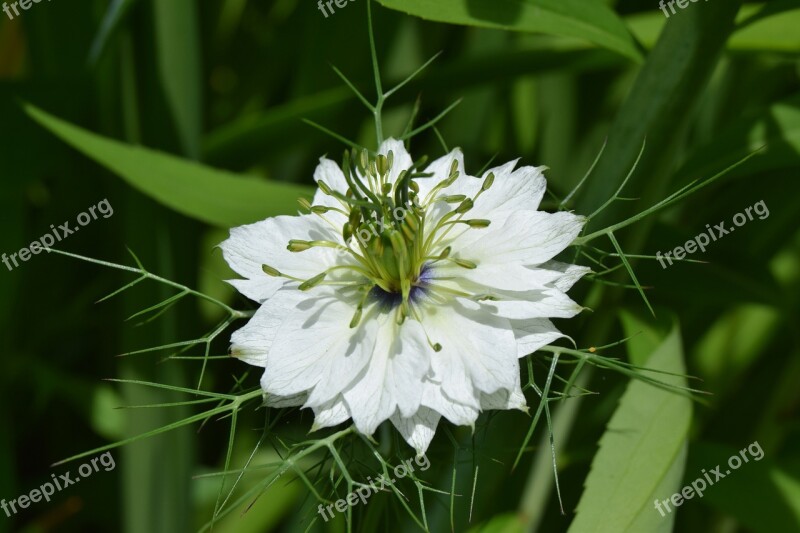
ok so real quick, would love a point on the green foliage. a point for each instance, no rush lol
(158, 93)
(591, 21)
(210, 195)
(641, 455)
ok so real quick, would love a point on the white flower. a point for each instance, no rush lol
(405, 294)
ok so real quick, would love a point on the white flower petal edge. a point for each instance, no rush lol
(424, 317)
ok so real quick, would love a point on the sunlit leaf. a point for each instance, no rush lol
(641, 455)
(217, 197)
(591, 21)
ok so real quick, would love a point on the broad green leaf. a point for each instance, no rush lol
(774, 33)
(503, 523)
(587, 20)
(641, 455)
(213, 196)
(643, 336)
(666, 87)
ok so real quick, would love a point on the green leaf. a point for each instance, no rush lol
(643, 336)
(504, 523)
(178, 45)
(760, 29)
(213, 196)
(587, 20)
(642, 454)
(656, 109)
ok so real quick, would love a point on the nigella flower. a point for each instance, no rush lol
(406, 294)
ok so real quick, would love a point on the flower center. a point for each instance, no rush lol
(386, 231)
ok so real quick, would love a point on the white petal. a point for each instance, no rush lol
(492, 274)
(393, 378)
(316, 348)
(264, 243)
(512, 191)
(527, 238)
(534, 333)
(252, 342)
(457, 413)
(505, 399)
(417, 430)
(478, 351)
(330, 414)
(570, 274)
(271, 400)
(548, 303)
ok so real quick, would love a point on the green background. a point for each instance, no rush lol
(227, 83)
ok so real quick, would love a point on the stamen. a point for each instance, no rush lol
(465, 263)
(478, 223)
(356, 318)
(304, 203)
(453, 199)
(313, 282)
(298, 246)
(473, 223)
(268, 270)
(465, 206)
(487, 183)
